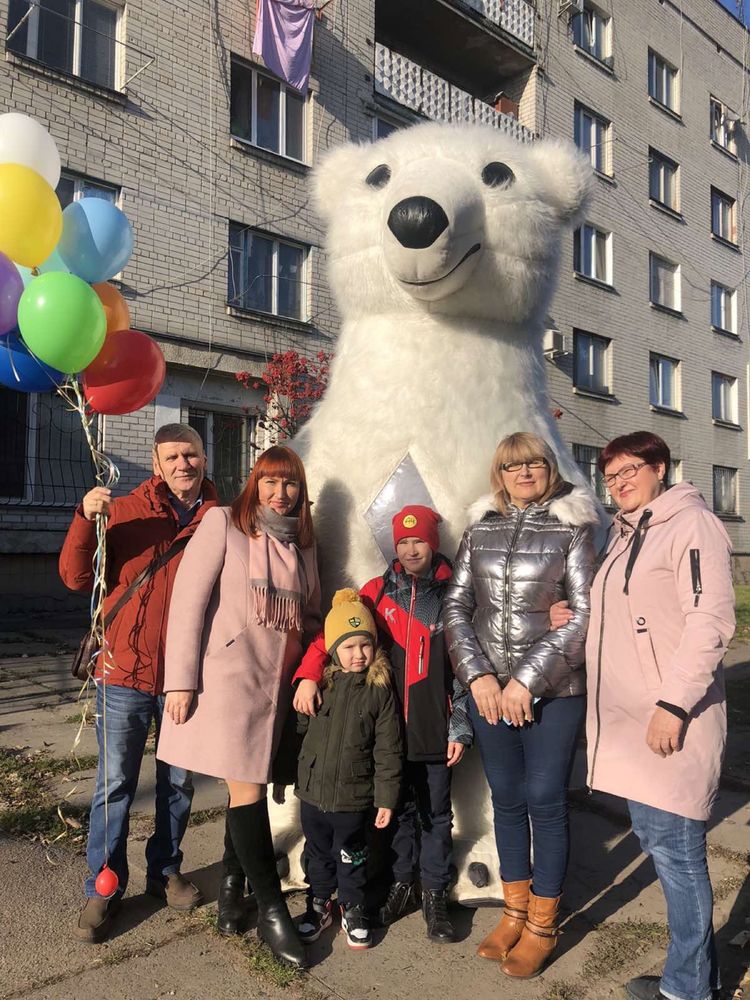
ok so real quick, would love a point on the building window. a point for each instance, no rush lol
(381, 127)
(723, 216)
(724, 398)
(723, 124)
(229, 439)
(723, 308)
(266, 274)
(586, 458)
(665, 283)
(267, 113)
(663, 180)
(71, 187)
(592, 256)
(74, 36)
(663, 82)
(725, 490)
(664, 382)
(592, 33)
(593, 136)
(591, 365)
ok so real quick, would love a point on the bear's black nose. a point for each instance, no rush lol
(417, 222)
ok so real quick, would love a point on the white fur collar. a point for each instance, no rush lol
(578, 507)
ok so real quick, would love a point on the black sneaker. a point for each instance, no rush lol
(315, 919)
(356, 925)
(401, 899)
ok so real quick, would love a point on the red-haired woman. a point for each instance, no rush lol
(245, 596)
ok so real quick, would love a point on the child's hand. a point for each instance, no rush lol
(279, 794)
(307, 698)
(455, 753)
(383, 818)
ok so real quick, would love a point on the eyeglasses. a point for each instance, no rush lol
(626, 472)
(533, 463)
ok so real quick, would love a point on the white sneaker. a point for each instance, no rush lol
(356, 925)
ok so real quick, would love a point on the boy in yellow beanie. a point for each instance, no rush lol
(350, 760)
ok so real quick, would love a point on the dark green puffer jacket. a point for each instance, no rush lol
(352, 751)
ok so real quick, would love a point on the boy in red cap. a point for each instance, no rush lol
(407, 604)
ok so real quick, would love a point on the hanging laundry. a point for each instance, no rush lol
(284, 37)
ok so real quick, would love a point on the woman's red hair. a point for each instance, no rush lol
(275, 461)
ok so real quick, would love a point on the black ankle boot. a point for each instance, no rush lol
(251, 836)
(435, 913)
(232, 913)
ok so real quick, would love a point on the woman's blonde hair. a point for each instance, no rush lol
(522, 447)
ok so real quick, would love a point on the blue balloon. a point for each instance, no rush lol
(53, 263)
(97, 239)
(20, 370)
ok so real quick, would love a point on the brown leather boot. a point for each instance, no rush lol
(538, 939)
(498, 942)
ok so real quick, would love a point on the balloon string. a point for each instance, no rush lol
(107, 475)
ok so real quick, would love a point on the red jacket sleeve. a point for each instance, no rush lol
(313, 662)
(77, 554)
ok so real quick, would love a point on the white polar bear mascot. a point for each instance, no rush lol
(444, 247)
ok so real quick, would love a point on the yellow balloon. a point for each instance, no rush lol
(30, 215)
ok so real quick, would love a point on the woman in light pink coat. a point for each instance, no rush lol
(245, 596)
(662, 616)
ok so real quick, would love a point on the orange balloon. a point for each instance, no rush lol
(115, 306)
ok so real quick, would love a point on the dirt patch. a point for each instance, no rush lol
(618, 945)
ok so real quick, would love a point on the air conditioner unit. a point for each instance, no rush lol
(569, 7)
(556, 344)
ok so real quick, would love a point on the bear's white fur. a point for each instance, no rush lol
(440, 353)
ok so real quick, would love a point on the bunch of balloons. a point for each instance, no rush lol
(59, 315)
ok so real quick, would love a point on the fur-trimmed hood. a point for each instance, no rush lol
(378, 674)
(573, 506)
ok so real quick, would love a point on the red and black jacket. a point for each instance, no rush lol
(408, 611)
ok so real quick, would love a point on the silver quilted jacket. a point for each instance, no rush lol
(508, 572)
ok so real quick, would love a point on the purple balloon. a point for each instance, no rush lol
(11, 289)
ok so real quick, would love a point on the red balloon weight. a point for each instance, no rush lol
(126, 374)
(106, 882)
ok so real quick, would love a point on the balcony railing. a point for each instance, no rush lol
(514, 16)
(415, 87)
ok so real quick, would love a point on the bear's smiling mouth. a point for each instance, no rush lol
(469, 253)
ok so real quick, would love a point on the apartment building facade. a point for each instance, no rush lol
(163, 108)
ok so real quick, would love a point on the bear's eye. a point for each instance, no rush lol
(498, 175)
(379, 177)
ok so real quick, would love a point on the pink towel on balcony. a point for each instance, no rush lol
(284, 36)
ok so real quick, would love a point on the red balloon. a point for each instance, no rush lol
(106, 882)
(126, 374)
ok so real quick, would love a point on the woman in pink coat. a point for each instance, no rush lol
(245, 595)
(662, 615)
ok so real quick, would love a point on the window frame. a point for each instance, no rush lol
(718, 510)
(249, 431)
(284, 88)
(729, 299)
(719, 199)
(32, 41)
(592, 474)
(723, 132)
(81, 181)
(586, 384)
(276, 241)
(659, 67)
(660, 160)
(603, 127)
(676, 306)
(578, 255)
(603, 24)
(658, 404)
(726, 397)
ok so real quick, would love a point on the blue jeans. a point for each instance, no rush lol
(129, 715)
(678, 848)
(528, 769)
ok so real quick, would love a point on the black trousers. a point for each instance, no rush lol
(421, 827)
(335, 853)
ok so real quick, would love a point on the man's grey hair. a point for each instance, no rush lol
(177, 432)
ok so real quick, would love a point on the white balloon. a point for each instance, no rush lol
(24, 140)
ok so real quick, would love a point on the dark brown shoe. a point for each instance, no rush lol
(95, 919)
(176, 891)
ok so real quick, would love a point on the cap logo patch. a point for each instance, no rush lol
(355, 622)
(409, 521)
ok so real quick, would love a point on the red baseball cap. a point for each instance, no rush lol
(416, 521)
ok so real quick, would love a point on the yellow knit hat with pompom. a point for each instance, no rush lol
(348, 616)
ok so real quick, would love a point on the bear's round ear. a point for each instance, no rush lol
(339, 171)
(566, 177)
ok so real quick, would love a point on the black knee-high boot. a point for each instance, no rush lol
(250, 830)
(232, 911)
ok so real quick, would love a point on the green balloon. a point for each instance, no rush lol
(62, 321)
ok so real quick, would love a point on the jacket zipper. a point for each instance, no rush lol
(420, 669)
(323, 805)
(408, 647)
(590, 781)
(506, 589)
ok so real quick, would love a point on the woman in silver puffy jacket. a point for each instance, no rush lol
(534, 546)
